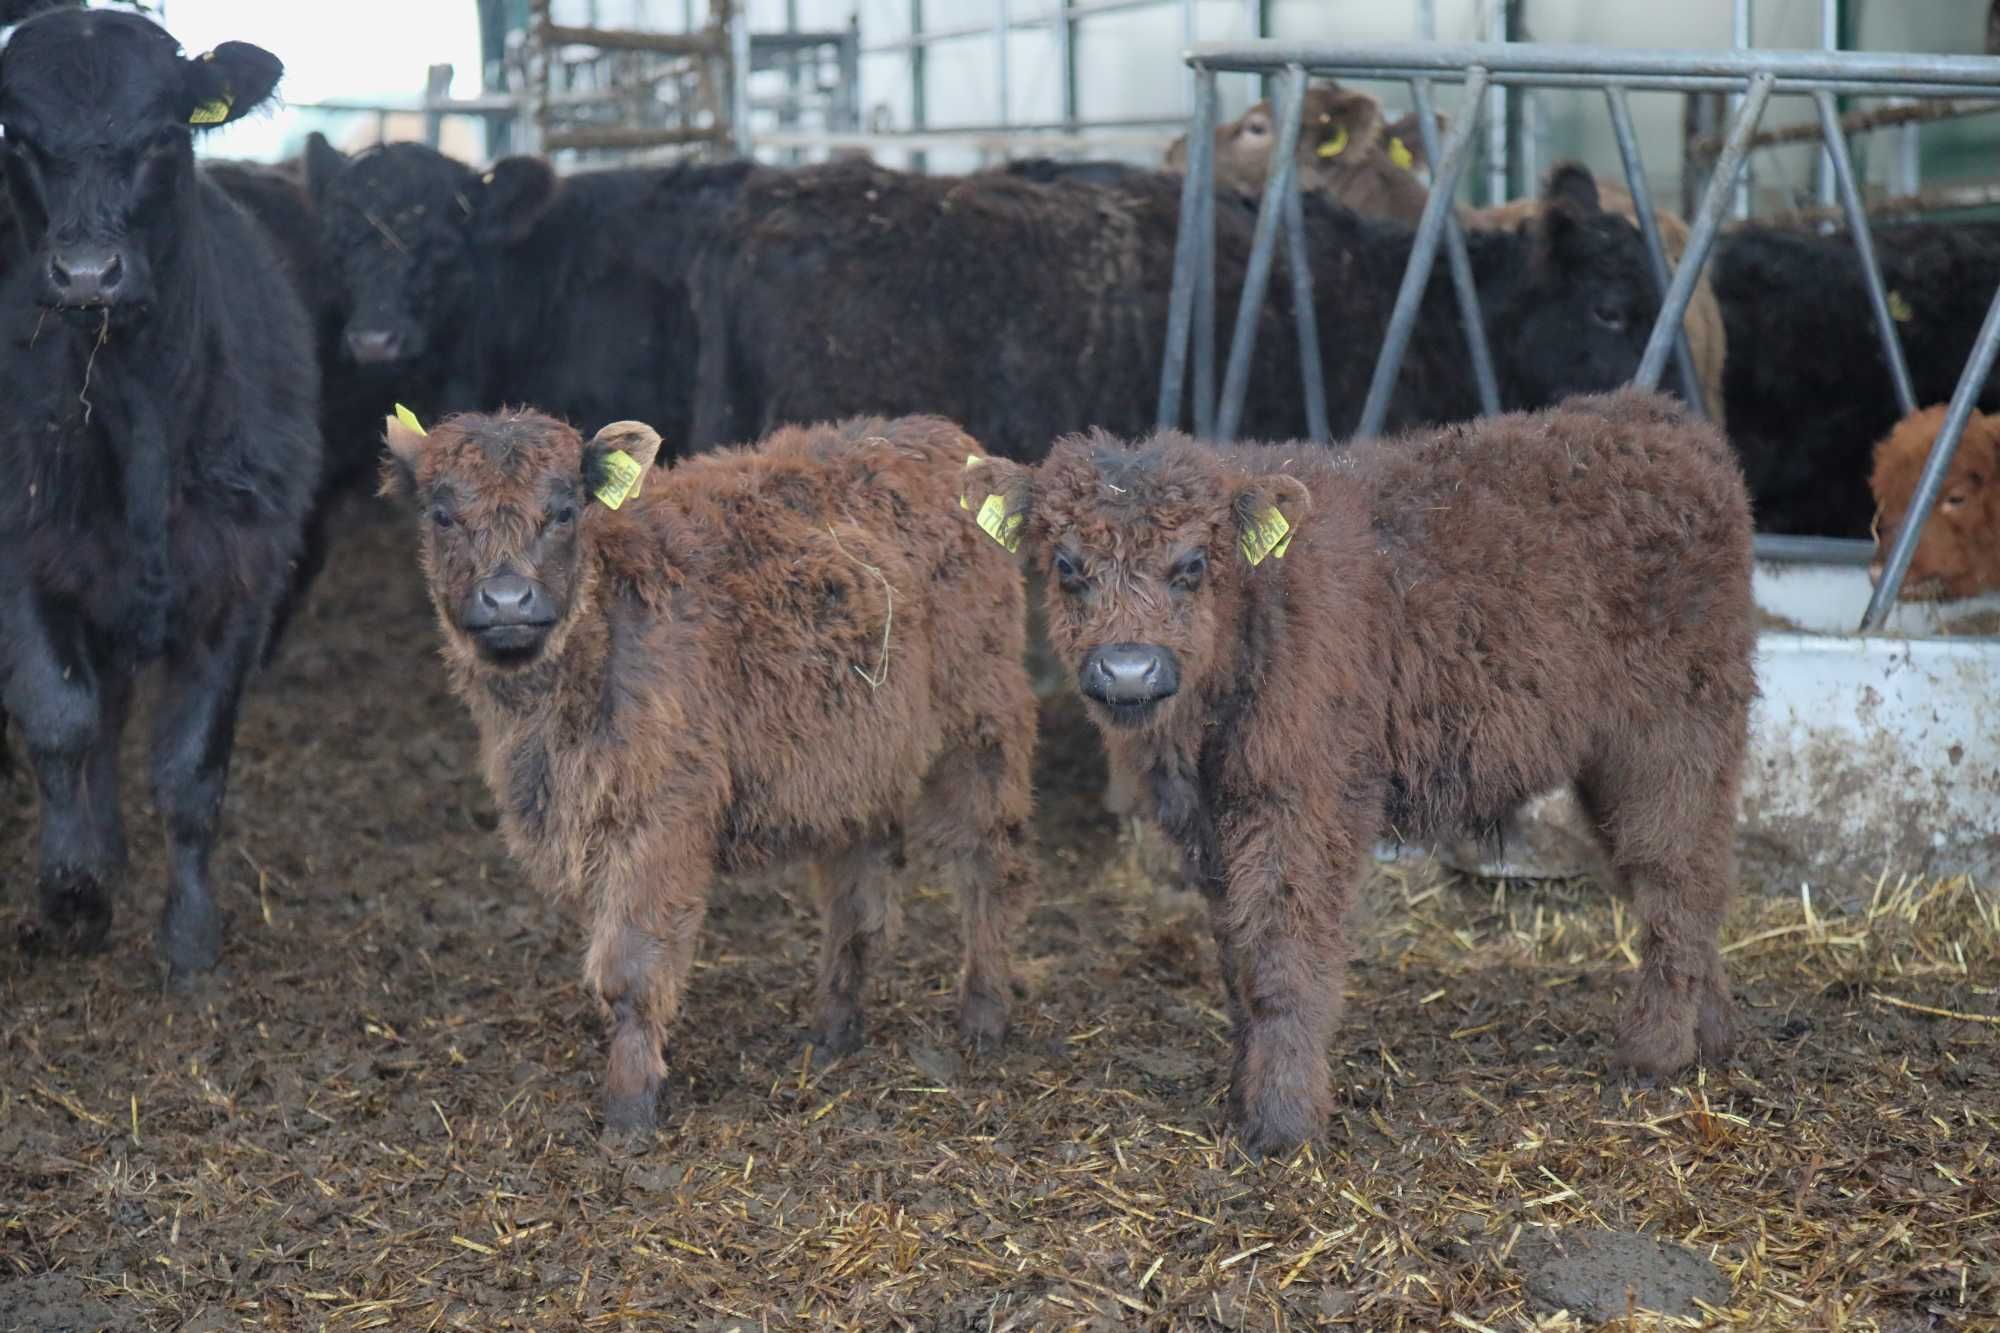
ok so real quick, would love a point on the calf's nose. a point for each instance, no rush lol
(374, 345)
(83, 277)
(508, 601)
(1130, 673)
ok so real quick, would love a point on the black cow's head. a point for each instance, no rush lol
(1576, 315)
(99, 112)
(401, 223)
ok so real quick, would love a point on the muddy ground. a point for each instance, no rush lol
(383, 1113)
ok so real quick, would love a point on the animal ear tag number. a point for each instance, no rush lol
(622, 479)
(1400, 154)
(1268, 534)
(1335, 146)
(211, 112)
(409, 418)
(998, 524)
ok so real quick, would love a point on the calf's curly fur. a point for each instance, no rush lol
(1463, 618)
(792, 651)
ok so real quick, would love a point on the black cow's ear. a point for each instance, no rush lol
(1268, 510)
(512, 197)
(1405, 141)
(227, 83)
(1569, 200)
(323, 163)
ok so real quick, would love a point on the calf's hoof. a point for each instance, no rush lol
(76, 912)
(631, 1117)
(1715, 1025)
(1655, 1049)
(834, 1036)
(982, 1022)
(1275, 1130)
(189, 944)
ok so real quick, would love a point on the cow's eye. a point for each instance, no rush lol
(1187, 571)
(1610, 316)
(562, 516)
(441, 517)
(1068, 573)
(1953, 501)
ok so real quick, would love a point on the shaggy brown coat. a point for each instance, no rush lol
(795, 650)
(1958, 554)
(1464, 618)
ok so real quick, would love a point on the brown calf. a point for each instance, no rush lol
(1434, 629)
(796, 650)
(1958, 554)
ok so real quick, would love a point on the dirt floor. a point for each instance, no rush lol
(383, 1113)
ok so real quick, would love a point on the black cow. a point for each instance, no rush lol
(1030, 304)
(158, 399)
(1806, 384)
(513, 285)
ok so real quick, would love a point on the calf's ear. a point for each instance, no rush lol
(406, 440)
(617, 459)
(323, 163)
(1403, 139)
(998, 494)
(1268, 510)
(512, 197)
(228, 83)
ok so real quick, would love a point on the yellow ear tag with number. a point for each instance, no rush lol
(409, 418)
(1400, 154)
(1268, 534)
(1899, 309)
(623, 476)
(1000, 525)
(1335, 146)
(211, 113)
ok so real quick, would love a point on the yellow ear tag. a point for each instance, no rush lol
(1268, 534)
(622, 478)
(1335, 146)
(971, 460)
(1899, 309)
(409, 418)
(1400, 154)
(211, 113)
(1000, 525)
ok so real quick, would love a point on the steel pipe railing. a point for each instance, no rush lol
(1753, 76)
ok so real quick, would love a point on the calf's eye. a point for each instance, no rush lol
(562, 516)
(1067, 572)
(1610, 316)
(1187, 571)
(441, 516)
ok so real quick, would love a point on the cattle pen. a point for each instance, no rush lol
(657, 887)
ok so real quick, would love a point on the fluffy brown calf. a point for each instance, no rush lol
(1958, 554)
(796, 650)
(1435, 628)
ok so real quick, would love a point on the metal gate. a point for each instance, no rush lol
(1756, 76)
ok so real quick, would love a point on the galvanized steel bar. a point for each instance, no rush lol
(1197, 205)
(1739, 39)
(1462, 279)
(1423, 252)
(1312, 371)
(1963, 399)
(1864, 250)
(1270, 212)
(1203, 132)
(1496, 112)
(1649, 227)
(1708, 221)
(1658, 83)
(1784, 548)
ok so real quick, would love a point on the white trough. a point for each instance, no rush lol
(1868, 753)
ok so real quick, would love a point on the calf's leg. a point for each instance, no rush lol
(641, 951)
(194, 735)
(1280, 932)
(1667, 809)
(70, 706)
(972, 824)
(857, 899)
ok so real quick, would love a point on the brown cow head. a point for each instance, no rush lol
(1144, 550)
(1346, 150)
(1958, 554)
(510, 503)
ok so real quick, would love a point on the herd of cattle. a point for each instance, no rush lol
(687, 656)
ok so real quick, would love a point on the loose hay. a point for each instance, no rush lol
(383, 1116)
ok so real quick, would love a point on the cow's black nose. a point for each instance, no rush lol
(508, 601)
(86, 277)
(372, 346)
(1130, 673)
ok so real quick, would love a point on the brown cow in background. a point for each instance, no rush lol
(784, 652)
(1958, 554)
(1350, 153)
(1295, 647)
